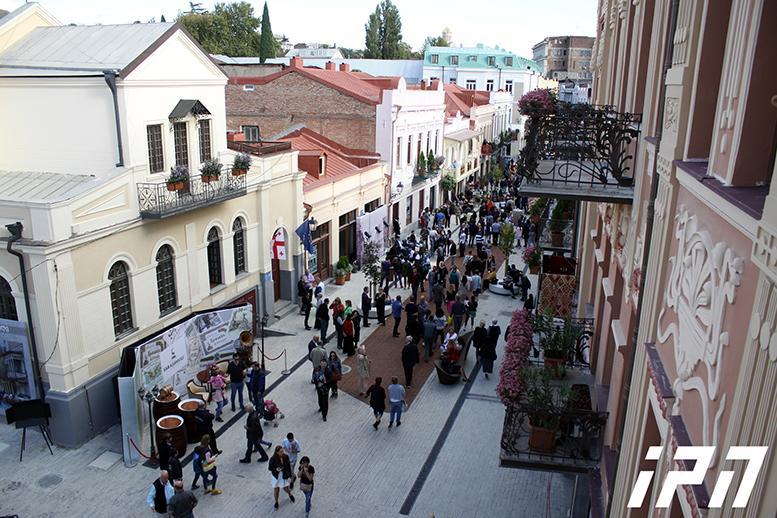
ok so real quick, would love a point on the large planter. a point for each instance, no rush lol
(555, 367)
(534, 269)
(557, 239)
(175, 186)
(339, 280)
(542, 439)
(171, 187)
(239, 172)
(207, 178)
(348, 276)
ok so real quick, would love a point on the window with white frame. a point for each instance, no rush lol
(251, 133)
(452, 80)
(489, 85)
(165, 280)
(454, 60)
(156, 155)
(471, 84)
(434, 59)
(181, 142)
(204, 130)
(121, 305)
(509, 61)
(491, 60)
(509, 85)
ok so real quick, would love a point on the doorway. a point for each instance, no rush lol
(276, 278)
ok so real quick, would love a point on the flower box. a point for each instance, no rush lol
(239, 172)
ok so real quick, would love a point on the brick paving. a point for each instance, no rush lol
(361, 472)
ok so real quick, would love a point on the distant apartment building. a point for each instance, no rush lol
(565, 57)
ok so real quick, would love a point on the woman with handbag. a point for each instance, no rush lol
(336, 368)
(306, 476)
(280, 473)
(207, 462)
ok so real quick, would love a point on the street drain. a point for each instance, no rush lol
(47, 481)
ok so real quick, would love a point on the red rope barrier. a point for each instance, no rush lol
(136, 447)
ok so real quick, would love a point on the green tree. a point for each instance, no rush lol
(372, 35)
(268, 46)
(435, 41)
(229, 29)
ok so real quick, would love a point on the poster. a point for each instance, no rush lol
(17, 382)
(176, 355)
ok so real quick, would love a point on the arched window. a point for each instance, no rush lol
(120, 298)
(7, 302)
(238, 245)
(214, 257)
(165, 280)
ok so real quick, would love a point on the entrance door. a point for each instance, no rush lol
(395, 212)
(276, 278)
(421, 203)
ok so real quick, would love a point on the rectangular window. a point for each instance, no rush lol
(471, 84)
(409, 210)
(398, 159)
(181, 144)
(156, 156)
(249, 88)
(509, 86)
(409, 150)
(251, 133)
(374, 204)
(434, 59)
(472, 58)
(489, 85)
(452, 80)
(418, 146)
(205, 140)
(509, 61)
(454, 60)
(491, 60)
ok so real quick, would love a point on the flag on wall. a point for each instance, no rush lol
(279, 245)
(303, 231)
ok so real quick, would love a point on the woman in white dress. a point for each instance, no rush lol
(363, 369)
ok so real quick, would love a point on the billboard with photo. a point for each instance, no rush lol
(176, 355)
(17, 382)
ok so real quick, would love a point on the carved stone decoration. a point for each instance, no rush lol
(701, 286)
(763, 324)
(765, 250)
(671, 110)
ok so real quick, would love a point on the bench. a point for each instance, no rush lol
(447, 378)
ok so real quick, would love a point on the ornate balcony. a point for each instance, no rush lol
(581, 152)
(157, 202)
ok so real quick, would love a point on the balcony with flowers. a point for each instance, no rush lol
(577, 151)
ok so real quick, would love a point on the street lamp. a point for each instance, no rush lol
(265, 318)
(148, 396)
(312, 224)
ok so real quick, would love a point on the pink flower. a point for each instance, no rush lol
(516, 356)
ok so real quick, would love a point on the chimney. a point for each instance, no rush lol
(235, 136)
(295, 62)
(423, 84)
(345, 67)
(330, 65)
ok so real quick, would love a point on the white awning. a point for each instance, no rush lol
(462, 135)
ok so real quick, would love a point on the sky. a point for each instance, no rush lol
(512, 24)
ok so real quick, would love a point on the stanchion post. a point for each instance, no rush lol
(129, 463)
(285, 370)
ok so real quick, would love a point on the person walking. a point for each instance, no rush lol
(306, 480)
(480, 337)
(339, 322)
(175, 470)
(396, 312)
(322, 387)
(336, 372)
(218, 386)
(430, 334)
(160, 493)
(322, 317)
(396, 395)
(203, 418)
(362, 369)
(377, 395)
(529, 304)
(366, 306)
(409, 360)
(182, 503)
(164, 449)
(317, 354)
(254, 435)
(487, 351)
(280, 474)
(207, 461)
(256, 385)
(291, 447)
(458, 310)
(349, 335)
(237, 373)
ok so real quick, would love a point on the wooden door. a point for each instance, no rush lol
(276, 278)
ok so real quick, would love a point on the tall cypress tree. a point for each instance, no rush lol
(267, 40)
(372, 35)
(392, 31)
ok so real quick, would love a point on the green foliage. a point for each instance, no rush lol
(498, 173)
(211, 167)
(343, 264)
(371, 264)
(241, 161)
(268, 46)
(506, 239)
(557, 341)
(448, 182)
(421, 164)
(541, 397)
(230, 29)
(435, 41)
(558, 217)
(383, 34)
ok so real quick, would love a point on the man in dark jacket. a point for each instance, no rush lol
(182, 503)
(366, 306)
(380, 307)
(254, 434)
(322, 317)
(236, 370)
(256, 385)
(409, 359)
(204, 421)
(430, 333)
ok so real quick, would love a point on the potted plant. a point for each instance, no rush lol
(420, 167)
(540, 403)
(536, 209)
(538, 102)
(533, 258)
(240, 164)
(210, 170)
(179, 175)
(448, 182)
(558, 223)
(343, 270)
(558, 343)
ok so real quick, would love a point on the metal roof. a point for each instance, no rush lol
(79, 48)
(186, 107)
(26, 186)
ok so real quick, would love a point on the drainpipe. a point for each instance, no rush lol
(110, 80)
(16, 234)
(651, 210)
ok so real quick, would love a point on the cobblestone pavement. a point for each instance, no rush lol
(360, 472)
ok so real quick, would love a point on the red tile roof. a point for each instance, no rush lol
(362, 86)
(341, 161)
(461, 99)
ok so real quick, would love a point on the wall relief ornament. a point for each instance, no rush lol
(763, 324)
(700, 288)
(671, 111)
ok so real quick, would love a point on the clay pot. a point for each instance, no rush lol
(542, 439)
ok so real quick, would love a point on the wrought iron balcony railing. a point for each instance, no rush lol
(156, 201)
(580, 354)
(556, 234)
(581, 147)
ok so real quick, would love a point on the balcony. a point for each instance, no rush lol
(157, 202)
(581, 152)
(556, 235)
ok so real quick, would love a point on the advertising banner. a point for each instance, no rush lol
(17, 382)
(176, 355)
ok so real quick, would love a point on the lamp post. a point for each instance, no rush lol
(264, 323)
(148, 396)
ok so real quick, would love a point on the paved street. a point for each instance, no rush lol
(360, 472)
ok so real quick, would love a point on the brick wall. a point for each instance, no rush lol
(293, 99)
